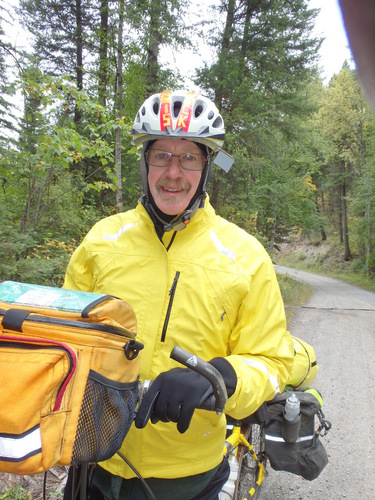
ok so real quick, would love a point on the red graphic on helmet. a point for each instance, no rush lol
(165, 110)
(186, 110)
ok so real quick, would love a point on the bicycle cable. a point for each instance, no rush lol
(146, 487)
(45, 486)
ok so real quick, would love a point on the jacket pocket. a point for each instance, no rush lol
(172, 292)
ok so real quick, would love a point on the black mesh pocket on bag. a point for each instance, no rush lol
(106, 415)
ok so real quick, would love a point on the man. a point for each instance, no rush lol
(196, 281)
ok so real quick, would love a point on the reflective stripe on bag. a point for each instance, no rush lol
(14, 448)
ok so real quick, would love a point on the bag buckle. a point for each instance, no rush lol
(324, 426)
(132, 349)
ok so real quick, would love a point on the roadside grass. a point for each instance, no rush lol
(324, 258)
(294, 294)
(358, 278)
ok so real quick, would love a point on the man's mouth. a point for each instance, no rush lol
(172, 190)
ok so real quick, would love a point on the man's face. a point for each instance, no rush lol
(172, 187)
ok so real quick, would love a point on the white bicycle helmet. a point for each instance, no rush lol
(182, 115)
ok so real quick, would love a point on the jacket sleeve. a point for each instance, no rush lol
(79, 273)
(261, 349)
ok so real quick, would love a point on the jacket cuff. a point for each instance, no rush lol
(227, 372)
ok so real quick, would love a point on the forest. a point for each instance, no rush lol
(304, 149)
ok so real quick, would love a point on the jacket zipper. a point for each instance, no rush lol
(45, 344)
(172, 292)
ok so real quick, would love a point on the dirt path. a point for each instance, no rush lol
(339, 321)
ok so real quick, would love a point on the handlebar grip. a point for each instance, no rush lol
(209, 404)
(210, 373)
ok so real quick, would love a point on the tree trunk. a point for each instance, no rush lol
(214, 192)
(152, 81)
(228, 30)
(322, 231)
(79, 55)
(25, 219)
(347, 254)
(103, 51)
(119, 109)
(252, 5)
(340, 203)
(368, 246)
(273, 230)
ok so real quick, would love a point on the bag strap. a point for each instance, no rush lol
(311, 363)
(13, 319)
(324, 426)
(89, 307)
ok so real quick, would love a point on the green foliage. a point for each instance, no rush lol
(46, 183)
(21, 261)
(16, 493)
(346, 122)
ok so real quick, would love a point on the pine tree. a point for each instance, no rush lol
(260, 82)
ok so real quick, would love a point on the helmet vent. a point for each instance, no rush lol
(198, 110)
(155, 107)
(218, 122)
(143, 111)
(210, 115)
(176, 108)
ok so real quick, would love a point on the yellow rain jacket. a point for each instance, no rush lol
(210, 289)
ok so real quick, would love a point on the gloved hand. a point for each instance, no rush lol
(175, 394)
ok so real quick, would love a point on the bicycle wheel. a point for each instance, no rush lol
(250, 472)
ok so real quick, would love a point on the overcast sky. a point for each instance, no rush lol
(334, 50)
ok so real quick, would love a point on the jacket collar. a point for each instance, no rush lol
(200, 218)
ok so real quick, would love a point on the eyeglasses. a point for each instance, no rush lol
(188, 161)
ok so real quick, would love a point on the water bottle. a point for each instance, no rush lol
(227, 491)
(292, 419)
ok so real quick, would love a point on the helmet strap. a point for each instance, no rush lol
(178, 222)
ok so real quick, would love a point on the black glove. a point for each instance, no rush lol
(175, 394)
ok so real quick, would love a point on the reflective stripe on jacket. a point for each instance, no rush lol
(214, 293)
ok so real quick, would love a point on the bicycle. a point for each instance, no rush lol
(245, 449)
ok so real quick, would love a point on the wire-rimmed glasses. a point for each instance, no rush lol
(188, 161)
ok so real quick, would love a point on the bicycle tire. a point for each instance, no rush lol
(248, 468)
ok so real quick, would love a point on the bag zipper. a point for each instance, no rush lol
(72, 323)
(34, 344)
(172, 292)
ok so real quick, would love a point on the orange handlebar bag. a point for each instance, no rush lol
(69, 368)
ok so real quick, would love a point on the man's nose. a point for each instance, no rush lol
(174, 166)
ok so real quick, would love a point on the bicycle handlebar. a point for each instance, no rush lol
(217, 400)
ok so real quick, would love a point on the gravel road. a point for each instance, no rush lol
(339, 321)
